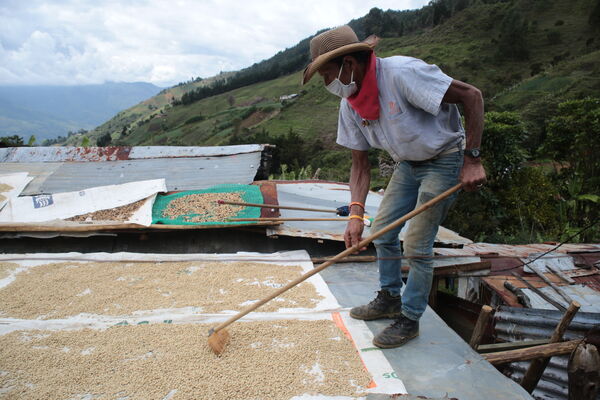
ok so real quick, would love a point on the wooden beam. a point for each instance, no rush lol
(479, 330)
(560, 274)
(449, 271)
(505, 346)
(537, 366)
(532, 353)
(553, 285)
(117, 227)
(540, 293)
(349, 259)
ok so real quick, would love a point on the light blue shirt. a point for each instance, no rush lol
(413, 122)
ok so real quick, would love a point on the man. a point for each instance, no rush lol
(408, 108)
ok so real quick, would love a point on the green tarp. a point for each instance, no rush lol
(249, 194)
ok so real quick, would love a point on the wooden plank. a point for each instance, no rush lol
(505, 346)
(540, 293)
(537, 366)
(482, 321)
(560, 274)
(459, 269)
(532, 353)
(117, 227)
(558, 290)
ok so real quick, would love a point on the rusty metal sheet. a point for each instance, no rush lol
(143, 152)
(114, 153)
(60, 154)
(269, 192)
(489, 249)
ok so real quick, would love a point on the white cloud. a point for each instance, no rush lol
(164, 42)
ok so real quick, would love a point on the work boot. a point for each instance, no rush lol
(383, 306)
(398, 333)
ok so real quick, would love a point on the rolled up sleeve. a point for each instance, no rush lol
(424, 85)
(348, 133)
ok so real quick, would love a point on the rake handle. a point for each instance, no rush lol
(288, 219)
(341, 255)
(238, 203)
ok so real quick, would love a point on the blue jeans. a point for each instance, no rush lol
(412, 184)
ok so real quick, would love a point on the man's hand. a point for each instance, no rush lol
(353, 234)
(472, 175)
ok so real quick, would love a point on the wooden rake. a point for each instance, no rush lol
(218, 337)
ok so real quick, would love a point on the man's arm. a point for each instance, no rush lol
(360, 179)
(472, 173)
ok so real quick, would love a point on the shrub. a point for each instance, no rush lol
(196, 118)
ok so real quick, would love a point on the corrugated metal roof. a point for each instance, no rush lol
(57, 154)
(587, 297)
(328, 195)
(508, 250)
(114, 153)
(183, 168)
(516, 324)
(140, 152)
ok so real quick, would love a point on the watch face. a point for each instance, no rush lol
(473, 152)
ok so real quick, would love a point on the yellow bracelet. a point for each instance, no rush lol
(355, 217)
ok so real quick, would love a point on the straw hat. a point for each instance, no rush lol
(332, 44)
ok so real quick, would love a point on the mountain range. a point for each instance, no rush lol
(51, 111)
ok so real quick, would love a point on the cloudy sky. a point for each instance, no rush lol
(66, 42)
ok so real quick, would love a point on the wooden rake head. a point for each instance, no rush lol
(217, 340)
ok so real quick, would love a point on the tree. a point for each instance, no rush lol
(594, 18)
(573, 139)
(373, 22)
(502, 141)
(85, 142)
(11, 141)
(484, 215)
(31, 141)
(513, 41)
(104, 140)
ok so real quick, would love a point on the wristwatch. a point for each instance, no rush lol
(474, 153)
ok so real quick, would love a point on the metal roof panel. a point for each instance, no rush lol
(323, 195)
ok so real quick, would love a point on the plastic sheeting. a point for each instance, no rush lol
(17, 182)
(43, 208)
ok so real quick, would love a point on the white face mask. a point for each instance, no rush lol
(339, 89)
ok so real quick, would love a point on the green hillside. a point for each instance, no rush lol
(560, 56)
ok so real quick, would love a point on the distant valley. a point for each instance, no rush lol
(51, 111)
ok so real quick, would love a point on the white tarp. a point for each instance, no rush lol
(17, 182)
(50, 207)
(384, 378)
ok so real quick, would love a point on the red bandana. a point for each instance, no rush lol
(366, 101)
